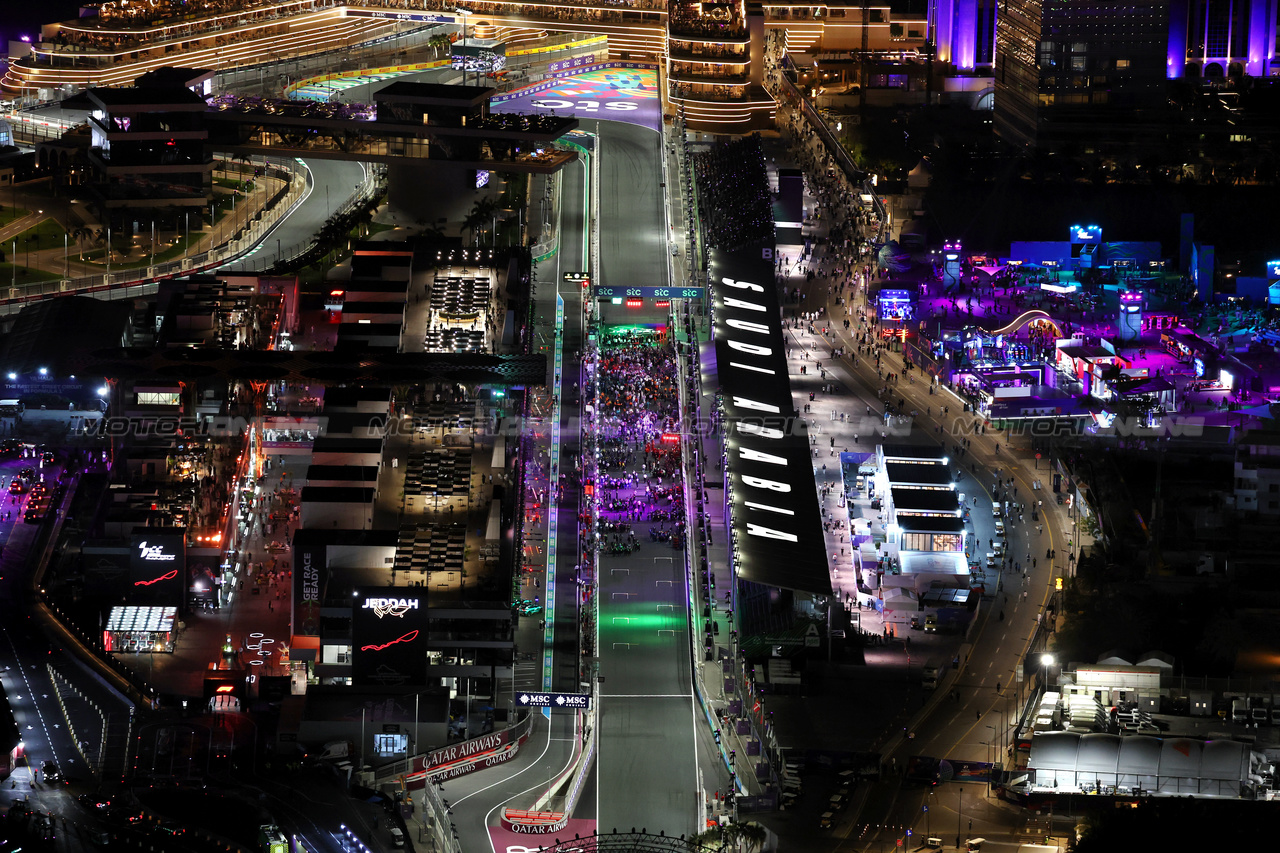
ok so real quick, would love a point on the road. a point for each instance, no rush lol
(26, 656)
(646, 704)
(648, 758)
(968, 717)
(331, 184)
(477, 798)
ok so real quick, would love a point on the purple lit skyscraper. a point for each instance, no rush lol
(964, 32)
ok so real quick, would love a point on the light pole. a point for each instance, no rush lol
(1046, 661)
(959, 815)
(462, 13)
(991, 748)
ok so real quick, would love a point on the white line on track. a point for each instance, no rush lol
(496, 806)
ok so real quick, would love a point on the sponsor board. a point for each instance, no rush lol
(506, 841)
(534, 828)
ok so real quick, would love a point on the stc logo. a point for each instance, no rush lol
(390, 606)
(155, 553)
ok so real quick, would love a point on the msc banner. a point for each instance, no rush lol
(157, 566)
(529, 699)
(389, 636)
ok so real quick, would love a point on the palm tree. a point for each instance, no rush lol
(472, 221)
(733, 836)
(752, 835)
(482, 212)
(81, 233)
(438, 42)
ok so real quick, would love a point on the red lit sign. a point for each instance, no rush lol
(635, 303)
(226, 688)
(170, 575)
(407, 638)
(670, 438)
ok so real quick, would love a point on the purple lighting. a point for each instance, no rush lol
(1176, 44)
(1262, 37)
(966, 34)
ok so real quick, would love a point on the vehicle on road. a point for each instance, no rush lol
(931, 623)
(171, 828)
(94, 804)
(929, 678)
(52, 775)
(336, 749)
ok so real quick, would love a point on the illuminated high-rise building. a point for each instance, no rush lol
(1064, 65)
(964, 32)
(1217, 38)
(1017, 74)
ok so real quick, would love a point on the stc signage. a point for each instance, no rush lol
(389, 637)
(769, 470)
(157, 566)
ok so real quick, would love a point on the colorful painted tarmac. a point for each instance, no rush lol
(614, 91)
(323, 89)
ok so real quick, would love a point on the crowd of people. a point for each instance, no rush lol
(638, 464)
(688, 17)
(733, 194)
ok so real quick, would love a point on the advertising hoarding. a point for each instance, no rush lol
(157, 566)
(389, 636)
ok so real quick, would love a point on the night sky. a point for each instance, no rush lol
(25, 18)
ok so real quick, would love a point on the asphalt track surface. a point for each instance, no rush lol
(622, 95)
(332, 183)
(478, 798)
(646, 772)
(646, 763)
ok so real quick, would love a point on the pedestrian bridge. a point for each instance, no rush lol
(407, 123)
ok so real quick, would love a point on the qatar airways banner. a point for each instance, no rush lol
(529, 839)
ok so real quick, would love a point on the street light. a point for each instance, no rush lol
(1046, 661)
(463, 14)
